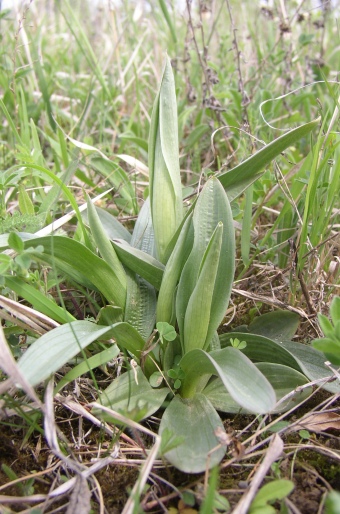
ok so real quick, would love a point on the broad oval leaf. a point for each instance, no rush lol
(261, 349)
(244, 382)
(276, 325)
(312, 363)
(282, 378)
(196, 421)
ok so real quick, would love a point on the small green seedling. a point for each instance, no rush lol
(273, 491)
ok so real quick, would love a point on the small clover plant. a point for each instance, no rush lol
(236, 343)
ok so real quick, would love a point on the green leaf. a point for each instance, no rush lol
(330, 348)
(80, 264)
(208, 503)
(311, 363)
(55, 348)
(5, 263)
(168, 20)
(104, 245)
(304, 434)
(15, 242)
(113, 228)
(271, 492)
(116, 176)
(236, 180)
(25, 203)
(199, 309)
(143, 236)
(93, 362)
(244, 382)
(236, 343)
(109, 315)
(140, 308)
(261, 349)
(131, 395)
(169, 442)
(277, 325)
(166, 331)
(335, 309)
(156, 379)
(140, 262)
(38, 300)
(195, 420)
(332, 505)
(165, 180)
(326, 326)
(172, 374)
(212, 208)
(284, 380)
(172, 273)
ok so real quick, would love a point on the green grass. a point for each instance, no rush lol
(76, 95)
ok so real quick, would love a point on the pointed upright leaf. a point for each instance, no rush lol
(165, 180)
(212, 207)
(104, 245)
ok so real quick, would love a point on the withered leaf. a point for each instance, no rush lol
(319, 422)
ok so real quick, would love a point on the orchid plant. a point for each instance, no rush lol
(166, 289)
